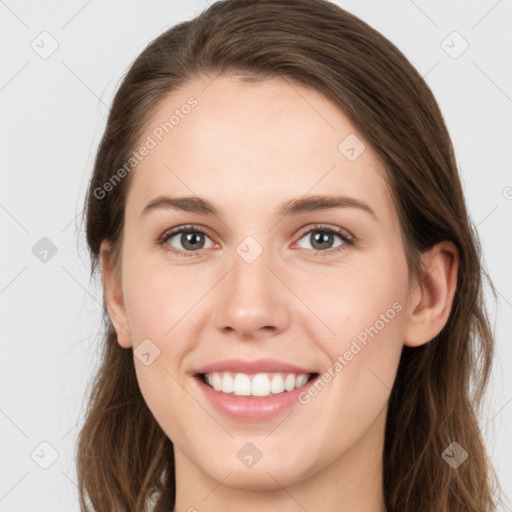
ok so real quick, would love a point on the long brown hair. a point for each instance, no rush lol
(124, 459)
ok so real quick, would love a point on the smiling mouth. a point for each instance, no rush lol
(259, 385)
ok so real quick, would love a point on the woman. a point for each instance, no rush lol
(292, 283)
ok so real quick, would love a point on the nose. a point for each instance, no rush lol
(252, 299)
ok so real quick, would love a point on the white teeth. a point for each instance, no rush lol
(228, 384)
(277, 385)
(258, 385)
(301, 380)
(242, 385)
(217, 382)
(289, 382)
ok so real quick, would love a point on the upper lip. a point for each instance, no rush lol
(256, 366)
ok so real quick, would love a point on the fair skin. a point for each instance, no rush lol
(247, 148)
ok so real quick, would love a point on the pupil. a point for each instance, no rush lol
(322, 238)
(190, 239)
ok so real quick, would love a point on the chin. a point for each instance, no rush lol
(270, 472)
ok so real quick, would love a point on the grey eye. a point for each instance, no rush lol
(321, 239)
(191, 240)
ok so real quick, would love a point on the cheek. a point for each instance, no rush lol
(368, 355)
(366, 311)
(372, 316)
(158, 306)
(159, 299)
(363, 303)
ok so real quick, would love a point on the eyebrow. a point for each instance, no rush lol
(290, 207)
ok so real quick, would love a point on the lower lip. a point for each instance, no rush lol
(252, 409)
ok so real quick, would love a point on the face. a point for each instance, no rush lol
(272, 283)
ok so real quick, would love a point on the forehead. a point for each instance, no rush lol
(254, 145)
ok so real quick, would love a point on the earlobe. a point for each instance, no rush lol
(114, 296)
(432, 298)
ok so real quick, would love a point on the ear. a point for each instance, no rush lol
(114, 296)
(430, 300)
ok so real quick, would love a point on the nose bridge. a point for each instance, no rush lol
(252, 296)
(250, 267)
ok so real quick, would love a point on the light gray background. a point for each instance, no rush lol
(53, 113)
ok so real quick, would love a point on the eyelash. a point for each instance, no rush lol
(349, 240)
